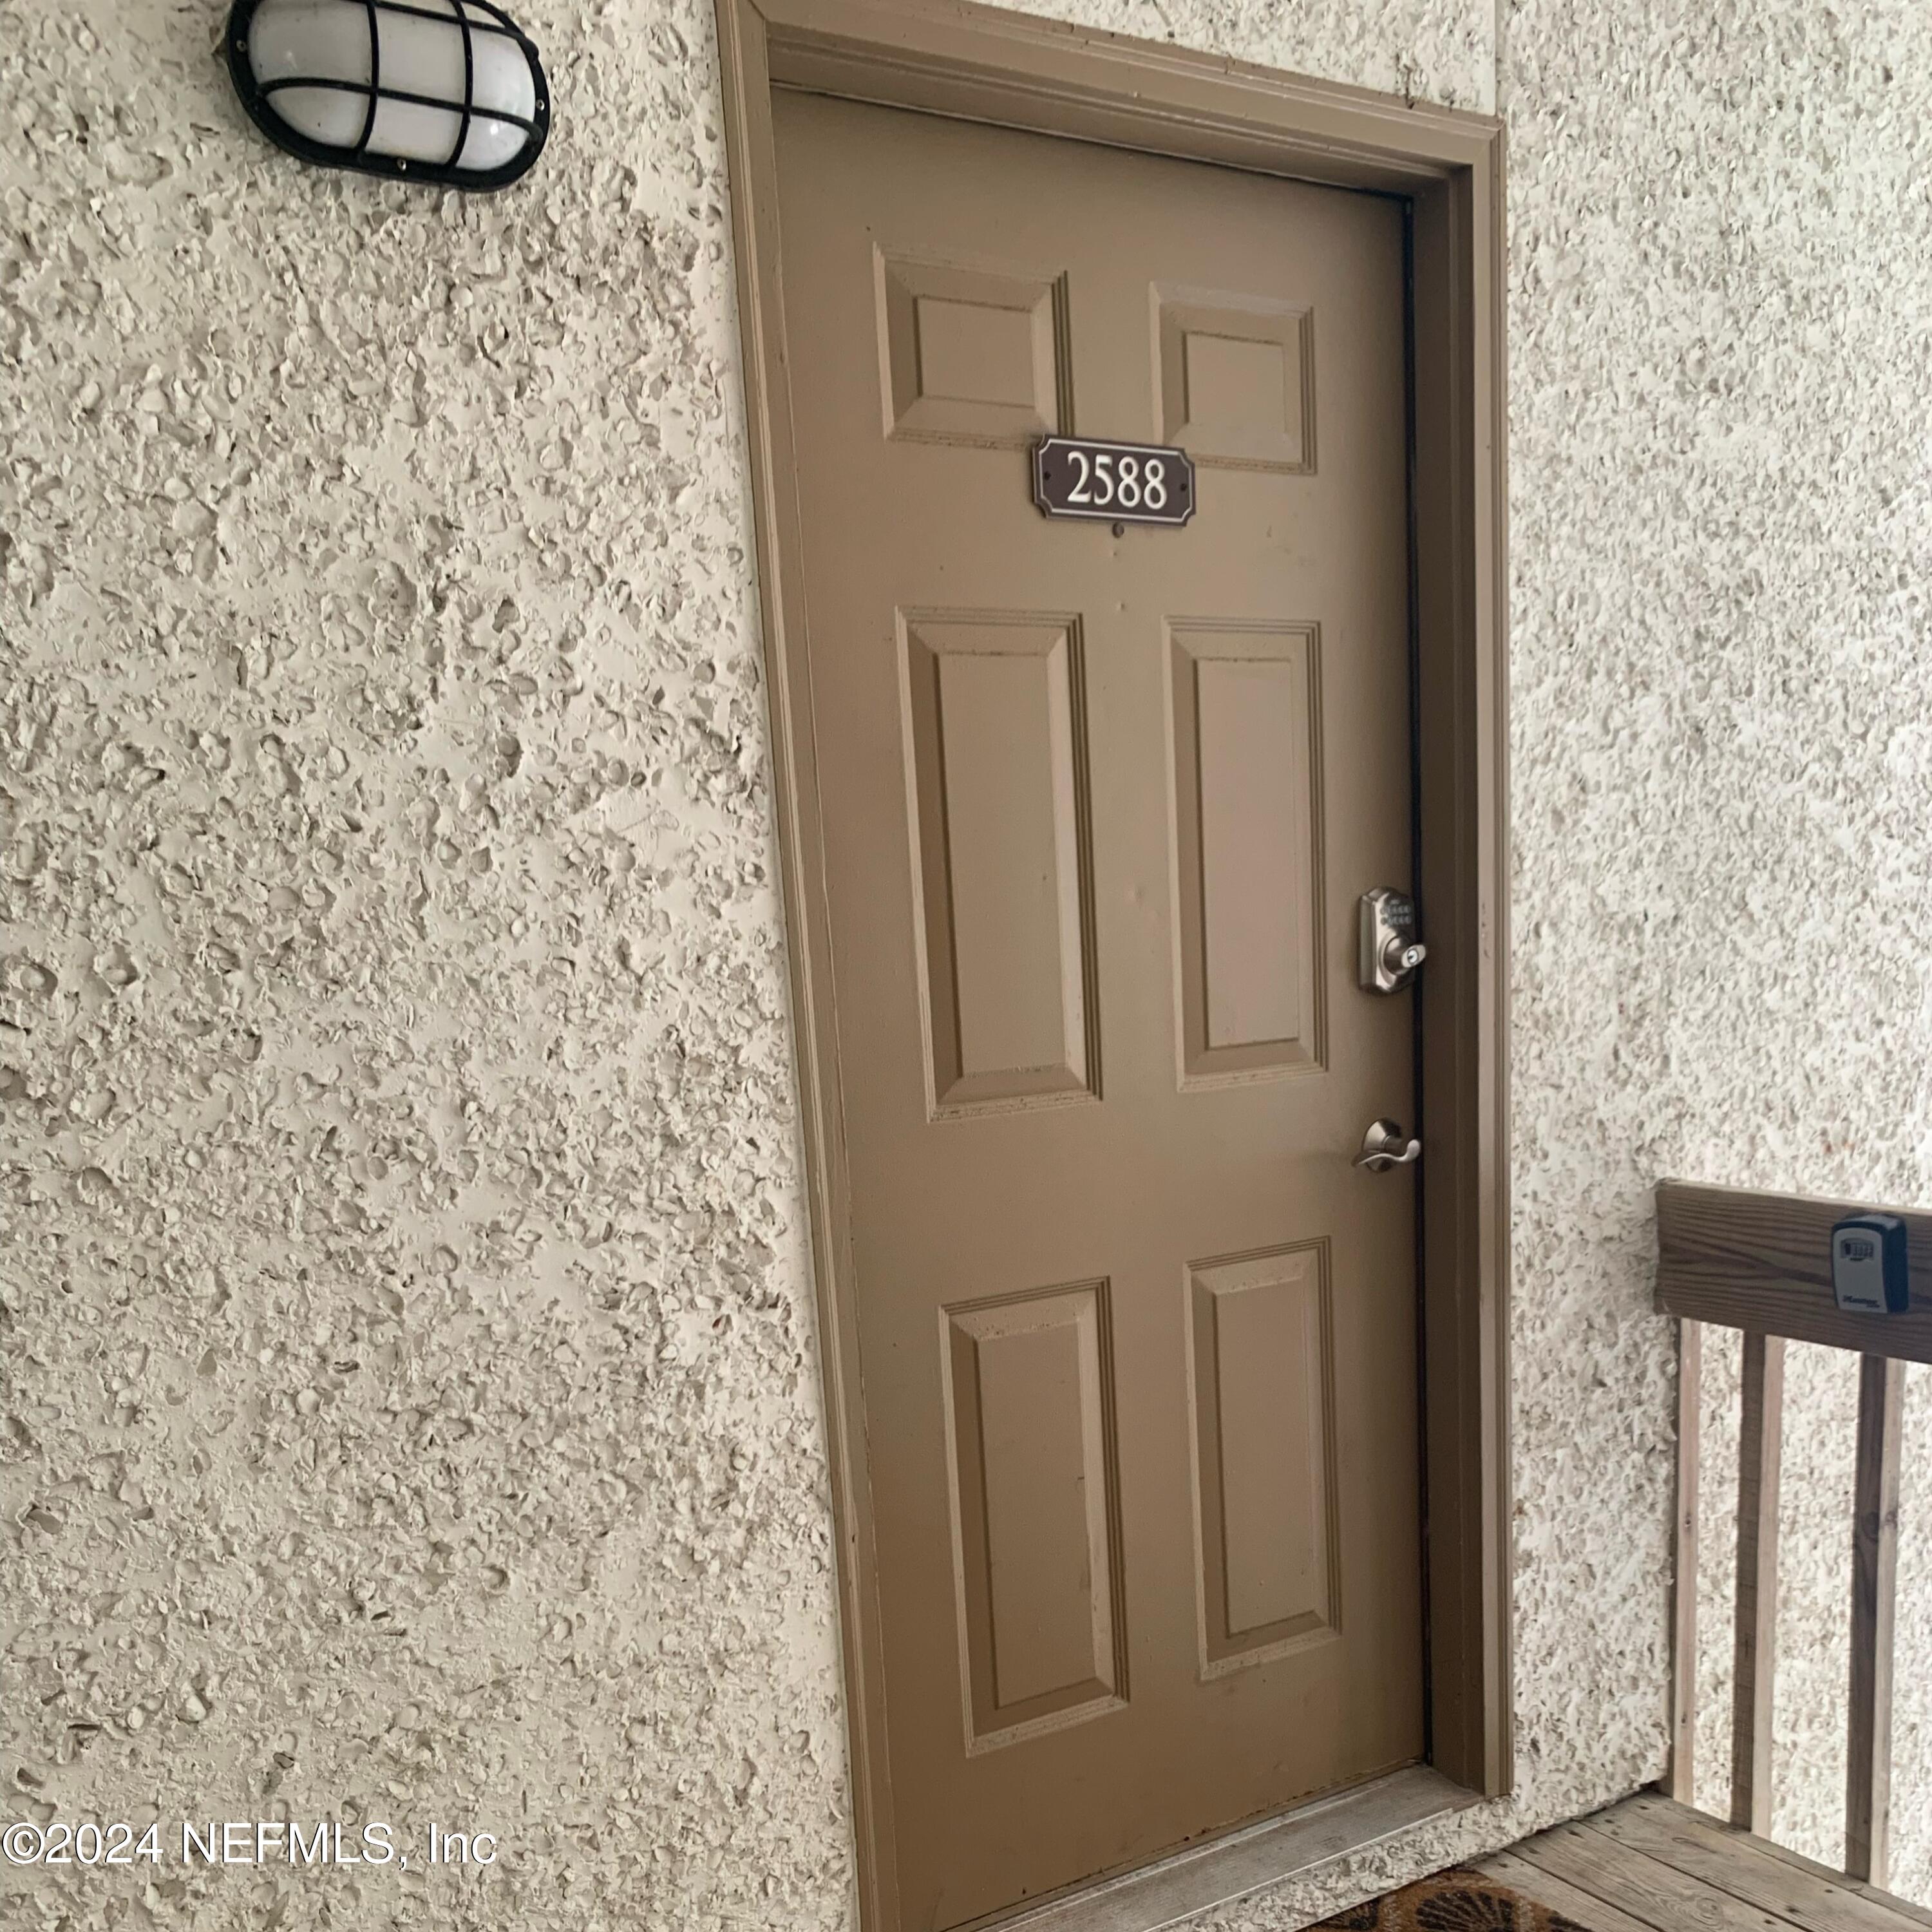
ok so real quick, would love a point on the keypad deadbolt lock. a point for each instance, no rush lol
(1391, 951)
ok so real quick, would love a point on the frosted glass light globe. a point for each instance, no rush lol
(432, 90)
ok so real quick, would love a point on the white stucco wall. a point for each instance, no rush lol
(408, 1400)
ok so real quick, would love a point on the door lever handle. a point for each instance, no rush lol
(1385, 1145)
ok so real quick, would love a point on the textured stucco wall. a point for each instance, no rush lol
(411, 1404)
(408, 1398)
(1722, 529)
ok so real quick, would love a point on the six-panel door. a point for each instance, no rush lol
(1137, 1340)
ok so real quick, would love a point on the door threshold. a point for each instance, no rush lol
(1227, 1868)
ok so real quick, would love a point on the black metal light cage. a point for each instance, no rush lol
(256, 97)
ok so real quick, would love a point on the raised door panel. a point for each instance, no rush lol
(996, 745)
(971, 352)
(1246, 781)
(1030, 1419)
(1262, 1385)
(1235, 376)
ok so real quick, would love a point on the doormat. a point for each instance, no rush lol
(1456, 1900)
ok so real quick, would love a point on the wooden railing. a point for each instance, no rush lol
(1761, 1263)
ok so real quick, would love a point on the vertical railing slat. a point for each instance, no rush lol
(1682, 1778)
(1874, 1572)
(1760, 1447)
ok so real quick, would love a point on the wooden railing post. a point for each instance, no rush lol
(1761, 1264)
(1682, 1777)
(1760, 1453)
(1874, 1574)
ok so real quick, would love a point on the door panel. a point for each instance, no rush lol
(969, 354)
(1136, 1339)
(1264, 1404)
(995, 726)
(1236, 378)
(1032, 1425)
(1248, 864)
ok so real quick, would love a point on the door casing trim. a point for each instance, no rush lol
(977, 63)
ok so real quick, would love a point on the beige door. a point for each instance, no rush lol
(1137, 1340)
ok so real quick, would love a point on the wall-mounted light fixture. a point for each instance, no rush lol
(446, 91)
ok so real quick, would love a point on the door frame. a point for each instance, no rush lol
(977, 63)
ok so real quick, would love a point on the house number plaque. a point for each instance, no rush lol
(1112, 482)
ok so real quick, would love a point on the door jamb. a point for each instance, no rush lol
(977, 63)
